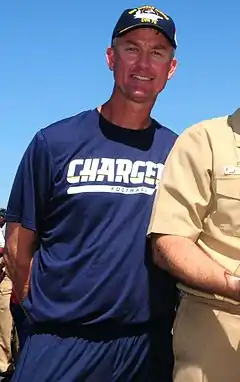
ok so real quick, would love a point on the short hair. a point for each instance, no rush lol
(114, 42)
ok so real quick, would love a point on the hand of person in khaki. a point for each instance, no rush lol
(234, 286)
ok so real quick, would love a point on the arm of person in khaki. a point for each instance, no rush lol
(179, 210)
(27, 202)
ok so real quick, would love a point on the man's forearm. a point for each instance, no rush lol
(187, 262)
(19, 273)
(19, 250)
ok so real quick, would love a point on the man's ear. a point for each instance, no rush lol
(110, 58)
(173, 67)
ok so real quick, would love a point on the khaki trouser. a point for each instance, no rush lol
(206, 341)
(5, 324)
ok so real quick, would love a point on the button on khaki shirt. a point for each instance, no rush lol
(199, 193)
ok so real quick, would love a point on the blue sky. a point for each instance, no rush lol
(53, 65)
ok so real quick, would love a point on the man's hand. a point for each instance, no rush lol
(233, 283)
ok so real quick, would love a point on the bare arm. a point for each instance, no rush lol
(20, 246)
(182, 258)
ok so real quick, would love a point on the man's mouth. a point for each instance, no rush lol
(142, 78)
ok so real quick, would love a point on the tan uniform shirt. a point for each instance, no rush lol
(2, 241)
(199, 194)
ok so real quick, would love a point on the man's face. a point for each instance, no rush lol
(142, 62)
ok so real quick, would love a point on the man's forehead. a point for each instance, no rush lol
(145, 34)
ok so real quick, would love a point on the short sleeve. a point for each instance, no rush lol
(32, 186)
(184, 193)
(2, 241)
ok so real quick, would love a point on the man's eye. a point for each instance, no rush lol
(131, 49)
(157, 53)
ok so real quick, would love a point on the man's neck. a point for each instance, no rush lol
(126, 114)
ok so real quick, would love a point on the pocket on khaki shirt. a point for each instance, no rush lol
(226, 206)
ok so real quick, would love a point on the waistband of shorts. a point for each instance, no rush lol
(104, 331)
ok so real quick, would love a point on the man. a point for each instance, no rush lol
(84, 191)
(195, 227)
(5, 315)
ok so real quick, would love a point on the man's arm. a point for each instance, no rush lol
(26, 211)
(180, 208)
(186, 261)
(19, 250)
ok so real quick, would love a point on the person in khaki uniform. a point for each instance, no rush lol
(195, 230)
(5, 314)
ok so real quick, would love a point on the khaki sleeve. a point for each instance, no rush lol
(184, 193)
(2, 240)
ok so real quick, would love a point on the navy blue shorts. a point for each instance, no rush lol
(50, 357)
(21, 323)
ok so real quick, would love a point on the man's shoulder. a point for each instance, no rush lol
(202, 134)
(68, 125)
(207, 125)
(62, 136)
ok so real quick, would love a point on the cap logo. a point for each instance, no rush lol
(148, 14)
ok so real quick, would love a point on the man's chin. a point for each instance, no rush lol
(141, 97)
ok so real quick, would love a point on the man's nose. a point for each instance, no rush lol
(143, 60)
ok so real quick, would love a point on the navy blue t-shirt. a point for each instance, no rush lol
(87, 187)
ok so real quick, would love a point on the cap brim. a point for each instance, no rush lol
(146, 25)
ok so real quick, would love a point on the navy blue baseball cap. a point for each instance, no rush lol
(146, 16)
